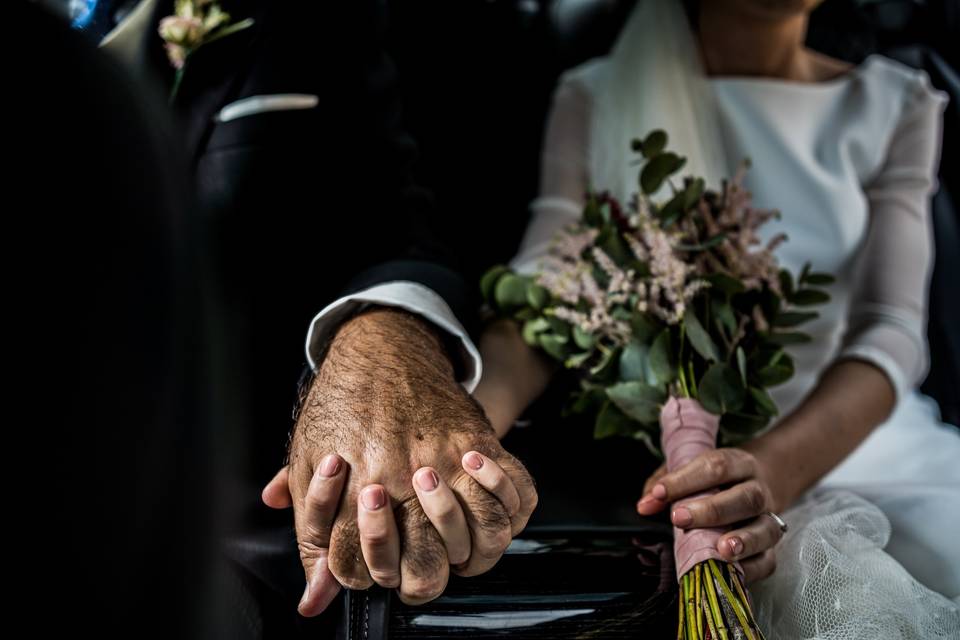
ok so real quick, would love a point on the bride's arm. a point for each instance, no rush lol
(513, 373)
(885, 351)
(884, 356)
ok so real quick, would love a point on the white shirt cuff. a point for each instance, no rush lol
(410, 296)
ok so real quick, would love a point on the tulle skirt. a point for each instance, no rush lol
(874, 551)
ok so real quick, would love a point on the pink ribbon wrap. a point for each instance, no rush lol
(686, 431)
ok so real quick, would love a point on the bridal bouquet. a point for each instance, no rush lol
(676, 317)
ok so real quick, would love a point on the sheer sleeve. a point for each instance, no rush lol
(564, 174)
(887, 320)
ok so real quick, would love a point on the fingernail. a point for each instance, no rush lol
(681, 517)
(330, 466)
(735, 545)
(474, 461)
(372, 498)
(645, 500)
(428, 480)
(659, 492)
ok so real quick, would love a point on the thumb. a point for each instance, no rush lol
(276, 494)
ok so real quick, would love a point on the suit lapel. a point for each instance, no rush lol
(211, 76)
(211, 73)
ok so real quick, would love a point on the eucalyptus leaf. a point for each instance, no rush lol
(533, 327)
(736, 427)
(510, 291)
(661, 359)
(706, 244)
(591, 211)
(489, 280)
(554, 345)
(808, 297)
(764, 402)
(559, 327)
(537, 296)
(637, 400)
(774, 374)
(633, 361)
(786, 284)
(658, 169)
(720, 389)
(693, 192)
(794, 318)
(723, 313)
(789, 337)
(577, 360)
(725, 283)
(700, 339)
(605, 366)
(654, 143)
(612, 422)
(583, 339)
(820, 279)
(643, 327)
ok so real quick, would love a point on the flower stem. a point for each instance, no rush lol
(177, 79)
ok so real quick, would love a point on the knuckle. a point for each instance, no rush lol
(389, 579)
(755, 496)
(717, 466)
(419, 590)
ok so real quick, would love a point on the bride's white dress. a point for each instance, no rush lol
(851, 164)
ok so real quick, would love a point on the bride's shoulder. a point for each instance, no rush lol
(893, 78)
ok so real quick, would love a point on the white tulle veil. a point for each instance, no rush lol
(652, 79)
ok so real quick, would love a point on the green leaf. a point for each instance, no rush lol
(583, 339)
(554, 345)
(637, 400)
(605, 365)
(577, 360)
(764, 402)
(510, 291)
(788, 337)
(721, 390)
(723, 313)
(533, 327)
(723, 282)
(737, 427)
(648, 441)
(661, 359)
(706, 244)
(786, 284)
(742, 365)
(489, 280)
(591, 211)
(612, 422)
(633, 361)
(643, 327)
(700, 339)
(559, 327)
(774, 374)
(693, 192)
(537, 296)
(808, 297)
(654, 143)
(615, 247)
(794, 318)
(820, 279)
(658, 169)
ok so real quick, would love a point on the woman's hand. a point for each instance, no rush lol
(742, 503)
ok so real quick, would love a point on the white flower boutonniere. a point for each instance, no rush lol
(193, 24)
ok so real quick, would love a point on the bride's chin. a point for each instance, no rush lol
(769, 8)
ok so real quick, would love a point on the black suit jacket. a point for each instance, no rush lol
(300, 206)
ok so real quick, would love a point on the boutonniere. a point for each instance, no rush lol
(194, 23)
